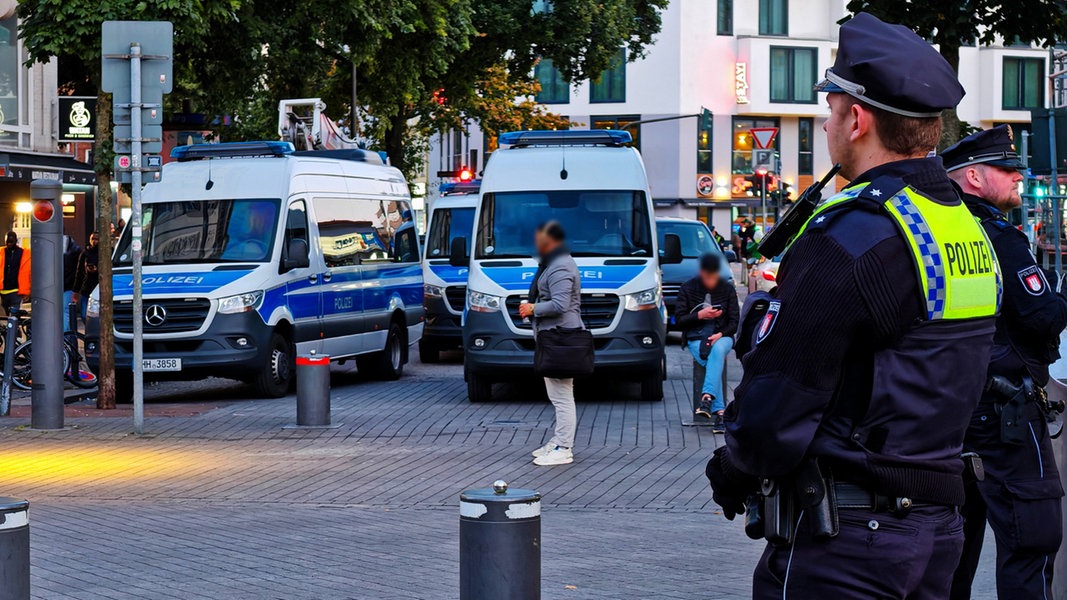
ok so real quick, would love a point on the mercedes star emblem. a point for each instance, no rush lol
(155, 315)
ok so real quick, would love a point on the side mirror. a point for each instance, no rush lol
(458, 255)
(297, 255)
(671, 253)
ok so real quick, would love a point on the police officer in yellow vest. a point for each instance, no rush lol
(844, 441)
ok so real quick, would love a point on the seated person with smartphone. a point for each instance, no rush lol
(707, 313)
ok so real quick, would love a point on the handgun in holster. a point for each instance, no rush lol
(1012, 407)
(774, 513)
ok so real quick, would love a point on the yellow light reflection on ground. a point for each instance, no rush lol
(72, 464)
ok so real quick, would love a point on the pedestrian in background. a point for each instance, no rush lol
(707, 313)
(71, 254)
(87, 276)
(1020, 493)
(15, 267)
(554, 302)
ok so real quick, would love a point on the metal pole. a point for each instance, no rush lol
(354, 128)
(135, 230)
(763, 200)
(46, 284)
(10, 340)
(14, 549)
(499, 544)
(313, 390)
(1057, 203)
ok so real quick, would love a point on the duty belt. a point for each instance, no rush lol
(850, 495)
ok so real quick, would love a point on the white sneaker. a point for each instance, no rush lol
(543, 450)
(557, 456)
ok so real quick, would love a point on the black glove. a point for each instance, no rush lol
(729, 487)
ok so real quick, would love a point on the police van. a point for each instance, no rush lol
(595, 186)
(254, 252)
(445, 286)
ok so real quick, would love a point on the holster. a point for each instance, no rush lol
(774, 513)
(1012, 406)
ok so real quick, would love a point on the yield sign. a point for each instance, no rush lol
(763, 136)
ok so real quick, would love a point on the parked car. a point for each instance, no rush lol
(763, 276)
(696, 241)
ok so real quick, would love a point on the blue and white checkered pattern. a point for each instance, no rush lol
(936, 283)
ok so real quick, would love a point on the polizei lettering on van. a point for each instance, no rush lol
(166, 279)
(968, 258)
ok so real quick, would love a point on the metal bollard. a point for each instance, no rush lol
(14, 549)
(10, 341)
(690, 420)
(499, 544)
(313, 390)
(46, 283)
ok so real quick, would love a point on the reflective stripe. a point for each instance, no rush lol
(14, 520)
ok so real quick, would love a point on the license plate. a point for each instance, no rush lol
(162, 364)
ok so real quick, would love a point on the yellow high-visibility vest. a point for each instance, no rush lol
(957, 267)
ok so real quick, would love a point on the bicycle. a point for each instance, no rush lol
(75, 368)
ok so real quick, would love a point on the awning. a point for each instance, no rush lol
(19, 165)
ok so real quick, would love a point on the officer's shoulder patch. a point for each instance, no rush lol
(767, 324)
(1033, 280)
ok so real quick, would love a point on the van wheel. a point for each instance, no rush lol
(387, 364)
(479, 389)
(429, 353)
(652, 386)
(274, 379)
(123, 387)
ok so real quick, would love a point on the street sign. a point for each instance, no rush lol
(156, 39)
(763, 136)
(151, 139)
(77, 118)
(763, 158)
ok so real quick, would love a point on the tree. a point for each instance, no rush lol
(70, 29)
(952, 24)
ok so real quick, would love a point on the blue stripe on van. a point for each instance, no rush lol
(177, 283)
(450, 274)
(518, 278)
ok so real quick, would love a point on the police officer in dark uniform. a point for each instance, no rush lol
(844, 441)
(1020, 493)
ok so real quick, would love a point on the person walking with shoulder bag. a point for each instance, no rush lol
(564, 346)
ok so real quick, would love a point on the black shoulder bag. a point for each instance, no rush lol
(563, 353)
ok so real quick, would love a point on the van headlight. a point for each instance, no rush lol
(480, 302)
(432, 291)
(643, 300)
(239, 303)
(92, 308)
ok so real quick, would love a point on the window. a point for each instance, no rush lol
(353, 232)
(449, 224)
(611, 85)
(1024, 83)
(741, 160)
(703, 147)
(620, 122)
(14, 80)
(806, 146)
(774, 17)
(725, 16)
(553, 89)
(793, 73)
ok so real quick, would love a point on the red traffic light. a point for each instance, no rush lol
(761, 172)
(43, 210)
(466, 174)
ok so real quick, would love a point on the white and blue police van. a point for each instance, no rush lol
(254, 253)
(596, 187)
(445, 286)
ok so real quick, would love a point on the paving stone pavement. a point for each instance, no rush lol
(229, 505)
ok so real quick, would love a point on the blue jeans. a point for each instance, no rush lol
(713, 369)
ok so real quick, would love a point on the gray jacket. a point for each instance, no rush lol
(558, 296)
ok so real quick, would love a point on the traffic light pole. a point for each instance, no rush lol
(135, 230)
(1057, 203)
(703, 114)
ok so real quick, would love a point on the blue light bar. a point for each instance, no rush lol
(231, 150)
(567, 137)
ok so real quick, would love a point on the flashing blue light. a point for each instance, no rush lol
(574, 137)
(232, 150)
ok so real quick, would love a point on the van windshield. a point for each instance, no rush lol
(695, 237)
(596, 222)
(204, 232)
(449, 224)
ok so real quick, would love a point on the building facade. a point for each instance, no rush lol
(752, 64)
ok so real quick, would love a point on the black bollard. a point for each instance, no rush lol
(313, 391)
(14, 549)
(46, 283)
(499, 544)
(10, 341)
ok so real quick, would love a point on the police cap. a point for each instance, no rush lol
(994, 146)
(891, 68)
